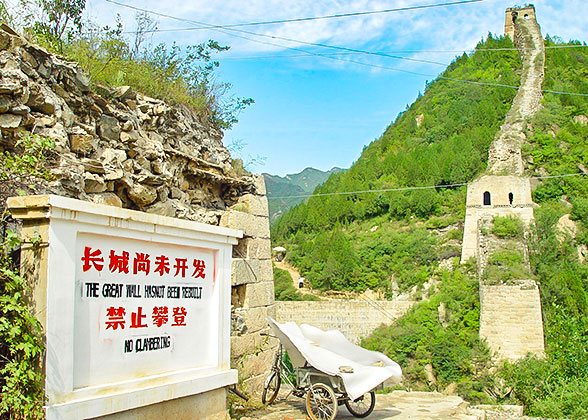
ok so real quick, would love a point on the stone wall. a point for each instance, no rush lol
(354, 318)
(504, 156)
(511, 320)
(119, 147)
(498, 188)
(253, 290)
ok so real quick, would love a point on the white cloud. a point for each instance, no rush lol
(442, 28)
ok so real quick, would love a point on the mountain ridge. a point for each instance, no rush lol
(288, 188)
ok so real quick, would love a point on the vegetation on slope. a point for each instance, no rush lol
(443, 138)
(554, 387)
(284, 287)
(186, 76)
(440, 336)
(558, 140)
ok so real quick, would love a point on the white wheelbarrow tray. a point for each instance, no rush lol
(330, 352)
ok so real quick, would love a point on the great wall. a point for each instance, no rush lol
(510, 318)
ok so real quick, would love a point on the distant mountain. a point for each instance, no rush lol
(292, 185)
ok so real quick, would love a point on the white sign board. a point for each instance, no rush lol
(137, 306)
(142, 308)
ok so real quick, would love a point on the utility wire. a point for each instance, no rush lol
(337, 48)
(261, 57)
(275, 37)
(428, 187)
(306, 19)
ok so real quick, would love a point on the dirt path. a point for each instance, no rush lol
(397, 405)
(284, 265)
(504, 156)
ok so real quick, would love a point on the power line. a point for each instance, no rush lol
(337, 48)
(275, 37)
(428, 187)
(335, 16)
(261, 57)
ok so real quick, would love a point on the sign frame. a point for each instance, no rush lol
(61, 220)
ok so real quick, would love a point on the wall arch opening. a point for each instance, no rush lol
(510, 198)
(487, 199)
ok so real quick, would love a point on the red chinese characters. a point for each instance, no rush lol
(92, 259)
(198, 269)
(159, 316)
(179, 317)
(115, 317)
(162, 265)
(120, 262)
(137, 318)
(141, 262)
(181, 266)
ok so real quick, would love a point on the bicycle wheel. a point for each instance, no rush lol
(271, 388)
(321, 402)
(363, 406)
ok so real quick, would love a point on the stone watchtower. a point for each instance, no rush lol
(510, 314)
(514, 13)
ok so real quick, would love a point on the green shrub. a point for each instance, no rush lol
(454, 234)
(507, 227)
(506, 263)
(452, 348)
(544, 391)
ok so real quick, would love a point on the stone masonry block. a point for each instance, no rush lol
(254, 318)
(266, 270)
(248, 344)
(254, 385)
(255, 204)
(254, 248)
(251, 225)
(259, 294)
(254, 364)
(244, 271)
(243, 344)
(259, 183)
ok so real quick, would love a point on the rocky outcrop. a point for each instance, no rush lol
(122, 148)
(118, 146)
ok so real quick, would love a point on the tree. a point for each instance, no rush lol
(60, 19)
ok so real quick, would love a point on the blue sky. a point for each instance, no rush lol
(319, 112)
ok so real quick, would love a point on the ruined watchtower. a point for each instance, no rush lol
(514, 13)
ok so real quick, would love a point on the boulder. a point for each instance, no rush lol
(93, 183)
(107, 198)
(113, 157)
(124, 93)
(142, 195)
(81, 142)
(10, 121)
(109, 128)
(581, 119)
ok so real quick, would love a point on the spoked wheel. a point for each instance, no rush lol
(321, 402)
(271, 388)
(363, 406)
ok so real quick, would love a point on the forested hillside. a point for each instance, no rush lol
(397, 240)
(443, 138)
